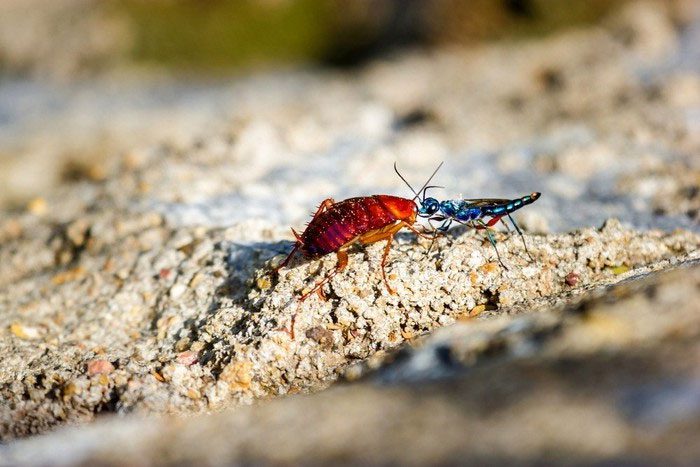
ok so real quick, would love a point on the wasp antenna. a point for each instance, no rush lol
(425, 190)
(396, 169)
(426, 183)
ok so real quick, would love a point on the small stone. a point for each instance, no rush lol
(321, 335)
(68, 276)
(617, 270)
(276, 261)
(77, 231)
(196, 280)
(188, 248)
(123, 273)
(187, 358)
(238, 375)
(11, 230)
(69, 390)
(182, 345)
(194, 394)
(177, 291)
(144, 187)
(25, 332)
(572, 279)
(393, 337)
(99, 367)
(37, 206)
(490, 267)
(263, 283)
(133, 160)
(353, 372)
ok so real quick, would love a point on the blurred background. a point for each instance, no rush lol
(84, 83)
(72, 39)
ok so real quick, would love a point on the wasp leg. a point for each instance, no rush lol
(489, 235)
(493, 243)
(342, 255)
(522, 237)
(443, 228)
(432, 241)
(506, 224)
(481, 225)
(422, 234)
(490, 223)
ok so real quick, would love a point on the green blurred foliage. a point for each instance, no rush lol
(465, 21)
(223, 34)
(226, 33)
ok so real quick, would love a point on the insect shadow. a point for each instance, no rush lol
(402, 238)
(243, 262)
(457, 231)
(245, 265)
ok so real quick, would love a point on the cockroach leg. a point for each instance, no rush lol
(342, 256)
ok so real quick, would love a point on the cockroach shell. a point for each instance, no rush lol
(401, 208)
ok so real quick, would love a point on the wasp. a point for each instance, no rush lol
(480, 214)
(337, 226)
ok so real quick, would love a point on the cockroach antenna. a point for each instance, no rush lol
(424, 187)
(396, 169)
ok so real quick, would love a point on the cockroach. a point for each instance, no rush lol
(336, 226)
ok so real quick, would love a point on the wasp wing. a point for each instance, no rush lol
(482, 202)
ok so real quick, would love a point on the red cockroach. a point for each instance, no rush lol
(336, 226)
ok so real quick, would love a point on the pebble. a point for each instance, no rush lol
(38, 206)
(187, 358)
(99, 367)
(25, 332)
(572, 279)
(238, 375)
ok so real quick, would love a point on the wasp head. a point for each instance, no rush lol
(428, 207)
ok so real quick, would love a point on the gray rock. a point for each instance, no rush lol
(612, 379)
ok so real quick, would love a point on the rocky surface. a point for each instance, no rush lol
(177, 320)
(147, 288)
(604, 380)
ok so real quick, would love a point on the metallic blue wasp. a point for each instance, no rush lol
(482, 213)
(476, 213)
